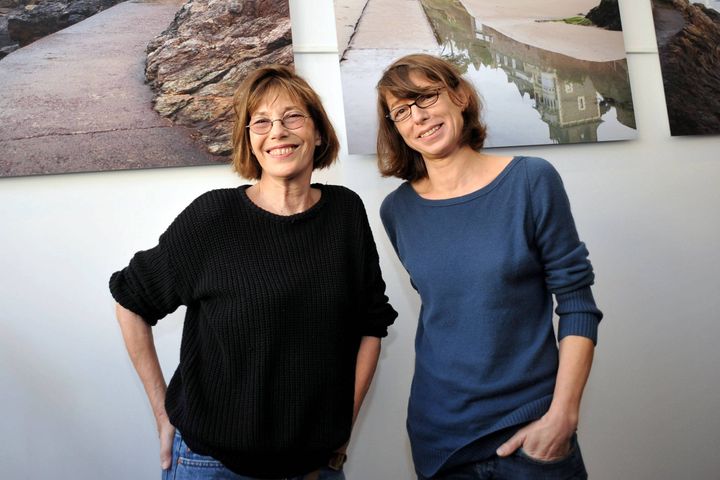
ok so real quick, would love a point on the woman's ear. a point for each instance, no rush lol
(460, 97)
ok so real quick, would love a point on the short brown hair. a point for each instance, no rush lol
(275, 79)
(395, 158)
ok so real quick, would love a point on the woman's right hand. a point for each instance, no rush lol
(141, 348)
(167, 433)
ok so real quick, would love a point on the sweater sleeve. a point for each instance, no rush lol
(379, 314)
(147, 285)
(568, 271)
(150, 285)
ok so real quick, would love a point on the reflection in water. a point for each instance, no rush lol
(571, 97)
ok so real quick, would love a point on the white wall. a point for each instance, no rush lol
(73, 407)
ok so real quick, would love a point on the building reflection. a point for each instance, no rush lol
(570, 95)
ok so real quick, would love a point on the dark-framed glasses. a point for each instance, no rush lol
(291, 121)
(402, 112)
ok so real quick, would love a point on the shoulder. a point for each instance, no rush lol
(205, 209)
(536, 165)
(396, 196)
(341, 197)
(540, 176)
(392, 202)
(538, 168)
(214, 198)
(339, 192)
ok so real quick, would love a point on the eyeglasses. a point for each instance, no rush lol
(291, 121)
(402, 112)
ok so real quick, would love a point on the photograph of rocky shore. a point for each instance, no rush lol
(136, 84)
(549, 72)
(688, 37)
(24, 21)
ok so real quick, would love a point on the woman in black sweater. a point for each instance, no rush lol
(285, 303)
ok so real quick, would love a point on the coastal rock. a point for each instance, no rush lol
(606, 15)
(7, 44)
(210, 47)
(690, 61)
(9, 4)
(36, 20)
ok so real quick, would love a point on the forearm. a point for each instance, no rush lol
(367, 359)
(138, 338)
(576, 356)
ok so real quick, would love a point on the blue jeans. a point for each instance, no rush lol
(188, 465)
(520, 466)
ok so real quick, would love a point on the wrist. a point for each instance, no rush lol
(569, 416)
(161, 419)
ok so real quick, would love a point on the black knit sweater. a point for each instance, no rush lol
(276, 307)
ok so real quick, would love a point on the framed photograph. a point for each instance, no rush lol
(548, 72)
(687, 36)
(136, 85)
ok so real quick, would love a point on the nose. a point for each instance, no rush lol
(418, 114)
(278, 129)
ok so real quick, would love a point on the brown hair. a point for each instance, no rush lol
(395, 158)
(269, 80)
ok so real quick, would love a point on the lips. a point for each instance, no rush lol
(281, 150)
(430, 131)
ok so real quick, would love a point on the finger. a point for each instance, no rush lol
(511, 445)
(165, 452)
(165, 458)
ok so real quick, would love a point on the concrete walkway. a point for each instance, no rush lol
(387, 30)
(77, 100)
(347, 16)
(391, 24)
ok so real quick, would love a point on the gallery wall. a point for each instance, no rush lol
(74, 408)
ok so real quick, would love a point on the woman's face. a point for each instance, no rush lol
(434, 131)
(282, 152)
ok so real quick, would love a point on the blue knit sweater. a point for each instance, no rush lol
(486, 266)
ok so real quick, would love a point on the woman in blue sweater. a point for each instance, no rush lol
(487, 241)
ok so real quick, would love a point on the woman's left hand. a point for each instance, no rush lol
(546, 439)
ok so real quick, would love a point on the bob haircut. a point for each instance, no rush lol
(395, 158)
(273, 80)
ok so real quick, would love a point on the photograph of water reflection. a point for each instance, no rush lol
(542, 79)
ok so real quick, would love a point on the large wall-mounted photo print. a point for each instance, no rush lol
(688, 39)
(93, 85)
(548, 72)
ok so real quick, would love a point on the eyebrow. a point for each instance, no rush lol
(412, 97)
(400, 103)
(287, 109)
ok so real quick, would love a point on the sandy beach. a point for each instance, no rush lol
(526, 22)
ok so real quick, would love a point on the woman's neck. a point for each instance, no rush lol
(283, 197)
(464, 172)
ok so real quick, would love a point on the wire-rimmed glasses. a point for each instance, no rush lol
(291, 121)
(402, 112)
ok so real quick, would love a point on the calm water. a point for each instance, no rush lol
(531, 96)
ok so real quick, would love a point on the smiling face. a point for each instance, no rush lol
(436, 131)
(283, 153)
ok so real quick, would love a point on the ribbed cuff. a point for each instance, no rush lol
(578, 314)
(581, 324)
